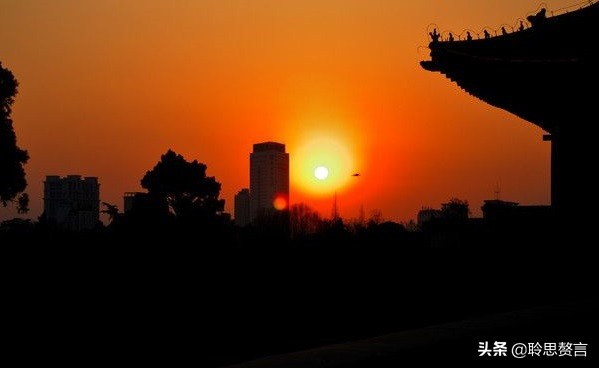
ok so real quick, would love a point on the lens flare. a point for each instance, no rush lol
(280, 203)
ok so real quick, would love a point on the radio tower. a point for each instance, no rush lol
(335, 211)
(497, 190)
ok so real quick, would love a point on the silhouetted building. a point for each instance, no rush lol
(129, 201)
(503, 213)
(146, 208)
(269, 179)
(453, 214)
(495, 209)
(425, 215)
(242, 207)
(72, 202)
(542, 74)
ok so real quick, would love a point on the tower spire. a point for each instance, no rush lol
(497, 190)
(335, 211)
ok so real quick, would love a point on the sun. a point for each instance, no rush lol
(322, 165)
(321, 173)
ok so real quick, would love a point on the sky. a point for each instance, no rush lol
(107, 87)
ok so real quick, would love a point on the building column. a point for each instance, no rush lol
(573, 167)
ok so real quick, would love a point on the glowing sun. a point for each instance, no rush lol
(322, 165)
(321, 173)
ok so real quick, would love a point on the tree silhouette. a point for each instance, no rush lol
(455, 209)
(12, 158)
(184, 185)
(304, 220)
(376, 217)
(111, 210)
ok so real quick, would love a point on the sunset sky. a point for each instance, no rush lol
(108, 86)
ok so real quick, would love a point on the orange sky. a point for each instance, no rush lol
(107, 86)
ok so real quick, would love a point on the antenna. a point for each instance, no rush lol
(335, 212)
(497, 190)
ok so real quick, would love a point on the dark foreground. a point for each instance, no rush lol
(90, 301)
(458, 342)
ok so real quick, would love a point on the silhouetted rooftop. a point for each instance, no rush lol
(269, 146)
(540, 73)
(543, 74)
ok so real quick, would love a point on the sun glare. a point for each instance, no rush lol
(322, 165)
(321, 173)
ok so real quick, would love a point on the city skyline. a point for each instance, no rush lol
(307, 74)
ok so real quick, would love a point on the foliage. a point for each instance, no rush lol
(111, 210)
(456, 209)
(376, 217)
(12, 158)
(304, 220)
(190, 194)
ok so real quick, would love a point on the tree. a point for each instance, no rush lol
(12, 158)
(111, 210)
(190, 194)
(376, 217)
(455, 209)
(304, 220)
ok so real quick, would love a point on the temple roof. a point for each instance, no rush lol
(540, 73)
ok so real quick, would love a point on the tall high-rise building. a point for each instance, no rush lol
(72, 202)
(269, 179)
(242, 207)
